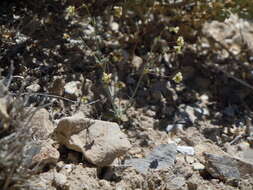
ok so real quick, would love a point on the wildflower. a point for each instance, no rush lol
(107, 78)
(84, 99)
(174, 29)
(178, 49)
(180, 41)
(117, 11)
(71, 10)
(178, 77)
(146, 71)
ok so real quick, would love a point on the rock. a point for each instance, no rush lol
(187, 114)
(114, 26)
(227, 168)
(88, 29)
(41, 153)
(182, 168)
(40, 124)
(137, 63)
(141, 165)
(87, 89)
(59, 165)
(146, 122)
(3, 109)
(42, 181)
(79, 178)
(176, 183)
(221, 167)
(193, 137)
(60, 180)
(198, 166)
(67, 168)
(5, 104)
(105, 184)
(72, 90)
(47, 155)
(82, 178)
(193, 182)
(99, 141)
(234, 33)
(174, 127)
(163, 156)
(170, 128)
(33, 88)
(186, 150)
(189, 159)
(204, 98)
(201, 111)
(3, 88)
(135, 151)
(207, 147)
(248, 154)
(243, 146)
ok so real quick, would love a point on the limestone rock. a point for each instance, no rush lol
(42, 181)
(4, 105)
(99, 141)
(3, 108)
(114, 26)
(33, 88)
(137, 63)
(40, 124)
(176, 183)
(60, 180)
(198, 166)
(163, 156)
(227, 167)
(188, 150)
(41, 153)
(234, 33)
(73, 90)
(47, 154)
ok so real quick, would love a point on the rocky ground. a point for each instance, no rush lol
(94, 99)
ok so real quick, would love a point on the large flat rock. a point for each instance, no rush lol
(99, 141)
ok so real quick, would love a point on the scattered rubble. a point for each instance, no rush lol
(142, 130)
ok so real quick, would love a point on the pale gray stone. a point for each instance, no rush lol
(198, 166)
(163, 156)
(33, 88)
(186, 150)
(73, 90)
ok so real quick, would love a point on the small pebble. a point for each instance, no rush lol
(190, 159)
(188, 150)
(33, 88)
(198, 166)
